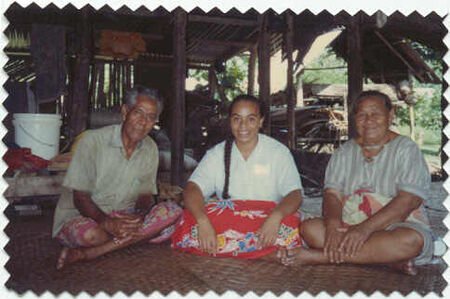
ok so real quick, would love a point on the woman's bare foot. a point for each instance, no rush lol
(292, 257)
(69, 256)
(405, 267)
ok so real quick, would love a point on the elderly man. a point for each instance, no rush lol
(110, 183)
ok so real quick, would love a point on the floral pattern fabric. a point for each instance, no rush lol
(160, 216)
(364, 203)
(236, 223)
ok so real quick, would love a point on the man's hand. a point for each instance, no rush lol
(268, 231)
(207, 238)
(333, 239)
(144, 203)
(122, 226)
(354, 239)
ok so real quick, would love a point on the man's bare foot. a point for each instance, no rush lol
(69, 256)
(405, 267)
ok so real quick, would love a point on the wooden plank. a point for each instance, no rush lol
(78, 113)
(290, 92)
(211, 83)
(222, 20)
(222, 96)
(251, 70)
(227, 43)
(101, 84)
(264, 66)
(177, 172)
(355, 83)
(299, 89)
(396, 53)
(34, 185)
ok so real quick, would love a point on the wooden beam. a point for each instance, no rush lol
(290, 90)
(386, 42)
(264, 66)
(34, 185)
(78, 109)
(251, 71)
(211, 82)
(178, 91)
(219, 87)
(299, 89)
(226, 43)
(222, 20)
(354, 54)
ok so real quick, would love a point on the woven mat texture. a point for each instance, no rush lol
(148, 268)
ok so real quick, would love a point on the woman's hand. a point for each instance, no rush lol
(333, 239)
(354, 239)
(268, 231)
(207, 239)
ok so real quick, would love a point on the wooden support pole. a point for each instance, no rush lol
(396, 53)
(299, 89)
(219, 87)
(178, 107)
(290, 92)
(412, 125)
(212, 82)
(78, 110)
(355, 83)
(251, 71)
(264, 66)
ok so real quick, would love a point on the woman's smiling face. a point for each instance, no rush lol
(373, 120)
(245, 122)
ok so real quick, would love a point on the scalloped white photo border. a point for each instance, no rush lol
(441, 7)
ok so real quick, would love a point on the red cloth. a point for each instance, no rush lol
(22, 158)
(236, 224)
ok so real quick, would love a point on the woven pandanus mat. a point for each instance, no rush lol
(148, 268)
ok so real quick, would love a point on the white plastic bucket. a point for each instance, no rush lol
(40, 132)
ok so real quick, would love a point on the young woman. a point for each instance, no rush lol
(258, 188)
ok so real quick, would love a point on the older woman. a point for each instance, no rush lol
(373, 209)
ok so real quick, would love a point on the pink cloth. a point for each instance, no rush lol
(160, 216)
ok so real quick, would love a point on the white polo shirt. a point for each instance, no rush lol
(269, 173)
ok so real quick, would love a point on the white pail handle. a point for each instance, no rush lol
(34, 138)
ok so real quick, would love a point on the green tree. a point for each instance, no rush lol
(233, 79)
(428, 108)
(327, 59)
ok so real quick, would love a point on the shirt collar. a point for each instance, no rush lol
(116, 138)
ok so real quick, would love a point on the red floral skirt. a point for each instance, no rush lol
(236, 223)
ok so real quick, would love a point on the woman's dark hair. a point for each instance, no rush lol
(229, 140)
(371, 94)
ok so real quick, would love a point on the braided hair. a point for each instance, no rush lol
(229, 140)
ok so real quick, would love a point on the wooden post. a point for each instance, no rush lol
(251, 71)
(264, 66)
(412, 125)
(211, 82)
(178, 107)
(78, 110)
(291, 99)
(299, 90)
(354, 55)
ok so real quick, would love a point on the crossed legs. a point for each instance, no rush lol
(88, 240)
(394, 247)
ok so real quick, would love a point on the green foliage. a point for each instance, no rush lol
(330, 76)
(233, 79)
(428, 109)
(427, 112)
